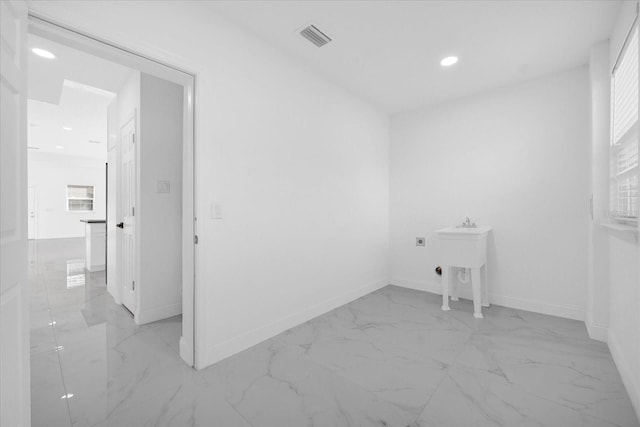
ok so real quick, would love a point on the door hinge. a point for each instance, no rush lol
(133, 285)
(195, 239)
(133, 211)
(133, 137)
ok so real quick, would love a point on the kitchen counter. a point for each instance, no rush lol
(95, 241)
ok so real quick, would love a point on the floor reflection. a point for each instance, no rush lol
(88, 358)
(75, 273)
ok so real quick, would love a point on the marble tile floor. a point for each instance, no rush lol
(391, 358)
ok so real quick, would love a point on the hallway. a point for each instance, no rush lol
(87, 348)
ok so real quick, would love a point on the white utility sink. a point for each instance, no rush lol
(465, 247)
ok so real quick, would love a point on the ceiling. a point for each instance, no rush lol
(73, 90)
(84, 112)
(388, 52)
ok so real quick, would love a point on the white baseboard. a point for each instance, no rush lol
(113, 291)
(630, 379)
(433, 287)
(596, 331)
(158, 313)
(566, 311)
(249, 339)
(559, 310)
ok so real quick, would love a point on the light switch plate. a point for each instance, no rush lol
(163, 186)
(216, 210)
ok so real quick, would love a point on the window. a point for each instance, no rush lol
(623, 181)
(80, 198)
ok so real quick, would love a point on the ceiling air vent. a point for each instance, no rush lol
(315, 36)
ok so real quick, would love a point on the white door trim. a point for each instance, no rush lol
(52, 30)
(125, 267)
(32, 229)
(15, 402)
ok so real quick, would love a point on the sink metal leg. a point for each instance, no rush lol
(485, 287)
(454, 288)
(476, 283)
(445, 288)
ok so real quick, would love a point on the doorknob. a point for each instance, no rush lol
(120, 225)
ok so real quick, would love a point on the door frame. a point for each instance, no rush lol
(50, 29)
(15, 289)
(33, 188)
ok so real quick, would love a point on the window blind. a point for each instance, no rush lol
(624, 188)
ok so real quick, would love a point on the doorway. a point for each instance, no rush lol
(141, 197)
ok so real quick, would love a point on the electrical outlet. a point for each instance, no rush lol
(420, 241)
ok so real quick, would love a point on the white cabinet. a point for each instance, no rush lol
(95, 244)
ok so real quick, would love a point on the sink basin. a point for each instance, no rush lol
(463, 247)
(464, 233)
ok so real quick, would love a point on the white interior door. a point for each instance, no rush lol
(15, 405)
(126, 202)
(31, 209)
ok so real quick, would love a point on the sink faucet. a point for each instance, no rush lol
(468, 224)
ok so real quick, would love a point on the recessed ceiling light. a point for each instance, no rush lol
(449, 61)
(67, 128)
(43, 53)
(60, 147)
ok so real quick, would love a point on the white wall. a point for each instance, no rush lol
(299, 166)
(158, 108)
(597, 309)
(159, 213)
(50, 174)
(624, 269)
(516, 159)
